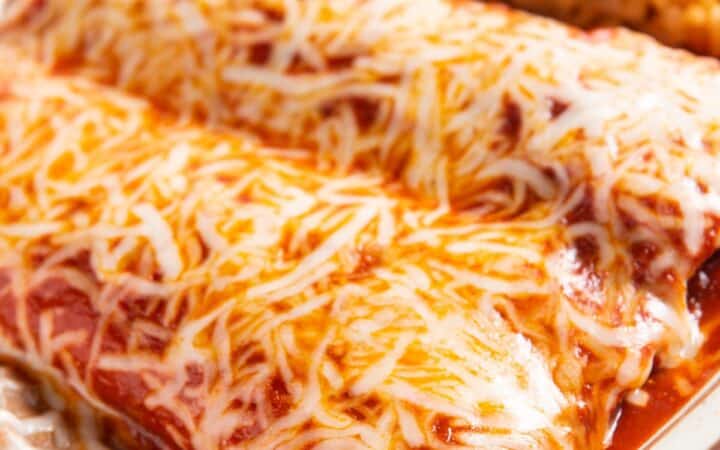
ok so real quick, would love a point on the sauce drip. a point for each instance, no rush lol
(669, 389)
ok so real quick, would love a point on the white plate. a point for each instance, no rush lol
(696, 426)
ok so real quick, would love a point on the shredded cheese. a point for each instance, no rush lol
(472, 104)
(259, 299)
(263, 324)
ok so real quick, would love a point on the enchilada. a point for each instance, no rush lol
(474, 106)
(199, 290)
(569, 194)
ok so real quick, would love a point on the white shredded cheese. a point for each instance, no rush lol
(283, 283)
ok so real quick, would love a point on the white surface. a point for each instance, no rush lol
(696, 426)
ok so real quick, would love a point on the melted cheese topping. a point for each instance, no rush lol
(207, 292)
(473, 105)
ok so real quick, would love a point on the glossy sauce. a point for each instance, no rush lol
(670, 389)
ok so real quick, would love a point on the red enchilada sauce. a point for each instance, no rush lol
(669, 389)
